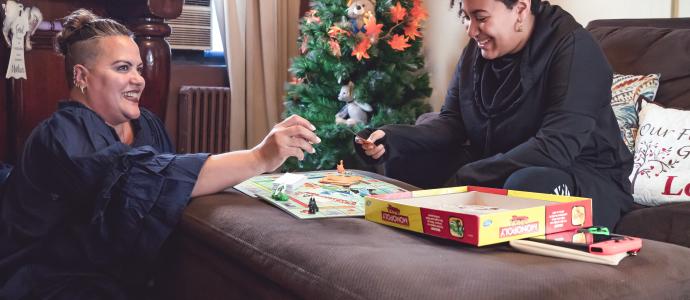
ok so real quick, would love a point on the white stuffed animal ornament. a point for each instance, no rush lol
(17, 27)
(353, 112)
(15, 13)
(358, 10)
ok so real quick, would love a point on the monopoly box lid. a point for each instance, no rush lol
(479, 216)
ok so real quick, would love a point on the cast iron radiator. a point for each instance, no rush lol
(203, 119)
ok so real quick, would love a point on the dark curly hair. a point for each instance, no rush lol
(80, 27)
(508, 3)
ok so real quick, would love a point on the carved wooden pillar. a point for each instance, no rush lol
(146, 20)
(4, 102)
(33, 99)
(155, 54)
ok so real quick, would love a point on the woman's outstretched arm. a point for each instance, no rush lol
(289, 138)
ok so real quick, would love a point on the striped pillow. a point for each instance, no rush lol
(626, 93)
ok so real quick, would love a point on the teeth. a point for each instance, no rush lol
(482, 43)
(131, 94)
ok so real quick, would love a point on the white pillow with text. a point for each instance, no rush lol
(661, 173)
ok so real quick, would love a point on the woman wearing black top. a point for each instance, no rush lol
(528, 109)
(98, 188)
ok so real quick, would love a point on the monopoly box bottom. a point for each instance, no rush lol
(479, 216)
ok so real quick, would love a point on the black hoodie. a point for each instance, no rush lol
(546, 106)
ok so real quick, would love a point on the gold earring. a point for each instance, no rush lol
(519, 27)
(81, 87)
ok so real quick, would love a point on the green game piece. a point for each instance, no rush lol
(598, 230)
(279, 194)
(283, 197)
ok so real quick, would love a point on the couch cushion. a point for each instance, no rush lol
(351, 258)
(626, 93)
(646, 50)
(668, 223)
(661, 172)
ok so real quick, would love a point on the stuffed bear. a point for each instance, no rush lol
(353, 112)
(358, 10)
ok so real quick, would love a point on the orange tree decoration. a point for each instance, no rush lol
(384, 62)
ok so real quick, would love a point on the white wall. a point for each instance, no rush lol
(588, 10)
(684, 8)
(444, 39)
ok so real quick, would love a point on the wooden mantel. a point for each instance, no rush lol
(24, 103)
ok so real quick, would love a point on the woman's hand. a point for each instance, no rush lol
(370, 148)
(291, 137)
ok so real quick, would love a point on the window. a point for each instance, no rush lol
(216, 40)
(195, 36)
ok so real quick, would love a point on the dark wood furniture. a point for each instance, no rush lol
(231, 246)
(24, 103)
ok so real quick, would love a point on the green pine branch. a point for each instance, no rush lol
(394, 83)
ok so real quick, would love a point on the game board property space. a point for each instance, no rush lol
(332, 200)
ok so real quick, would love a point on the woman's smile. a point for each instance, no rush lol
(132, 95)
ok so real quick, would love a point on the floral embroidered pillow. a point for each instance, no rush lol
(626, 92)
(661, 172)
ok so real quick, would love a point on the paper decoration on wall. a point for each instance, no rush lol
(19, 24)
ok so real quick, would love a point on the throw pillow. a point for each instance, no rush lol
(626, 92)
(661, 172)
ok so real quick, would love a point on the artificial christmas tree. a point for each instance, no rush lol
(360, 66)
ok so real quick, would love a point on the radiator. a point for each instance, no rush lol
(203, 119)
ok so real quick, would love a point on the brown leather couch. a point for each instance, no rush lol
(231, 246)
(646, 46)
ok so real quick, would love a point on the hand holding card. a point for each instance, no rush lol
(370, 146)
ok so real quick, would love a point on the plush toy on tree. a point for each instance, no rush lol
(354, 112)
(367, 54)
(358, 11)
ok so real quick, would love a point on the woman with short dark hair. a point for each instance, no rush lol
(528, 109)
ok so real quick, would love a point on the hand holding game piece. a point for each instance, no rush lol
(291, 137)
(357, 136)
(369, 145)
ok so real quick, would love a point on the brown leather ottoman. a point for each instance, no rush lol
(233, 246)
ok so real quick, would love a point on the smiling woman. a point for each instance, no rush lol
(528, 109)
(111, 81)
(499, 27)
(104, 63)
(98, 187)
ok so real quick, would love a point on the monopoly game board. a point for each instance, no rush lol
(332, 200)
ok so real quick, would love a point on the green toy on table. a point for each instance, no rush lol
(598, 230)
(279, 194)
